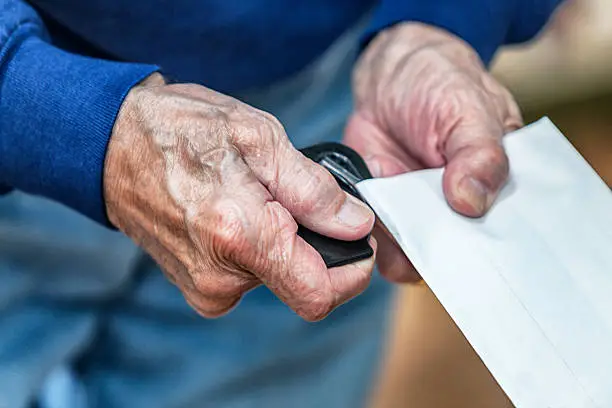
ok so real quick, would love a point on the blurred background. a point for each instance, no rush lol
(565, 74)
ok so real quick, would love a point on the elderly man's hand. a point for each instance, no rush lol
(424, 100)
(212, 189)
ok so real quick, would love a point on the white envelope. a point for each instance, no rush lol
(530, 284)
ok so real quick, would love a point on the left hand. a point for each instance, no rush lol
(423, 99)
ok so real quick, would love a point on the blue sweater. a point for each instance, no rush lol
(66, 65)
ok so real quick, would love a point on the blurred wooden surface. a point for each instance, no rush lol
(569, 61)
(587, 123)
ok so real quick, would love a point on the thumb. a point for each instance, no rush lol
(477, 168)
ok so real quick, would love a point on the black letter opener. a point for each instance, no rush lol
(348, 168)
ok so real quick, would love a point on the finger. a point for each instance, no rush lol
(226, 290)
(351, 280)
(218, 227)
(307, 190)
(392, 262)
(245, 230)
(270, 248)
(477, 168)
(217, 292)
(297, 274)
(212, 292)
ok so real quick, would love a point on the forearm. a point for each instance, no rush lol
(57, 111)
(484, 24)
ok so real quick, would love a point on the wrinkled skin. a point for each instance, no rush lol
(423, 99)
(212, 189)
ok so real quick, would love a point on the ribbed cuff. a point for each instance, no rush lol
(57, 112)
(484, 24)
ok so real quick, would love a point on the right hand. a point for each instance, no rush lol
(212, 189)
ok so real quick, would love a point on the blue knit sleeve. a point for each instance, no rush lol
(57, 111)
(484, 24)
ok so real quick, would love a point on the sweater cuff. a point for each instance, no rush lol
(57, 112)
(483, 24)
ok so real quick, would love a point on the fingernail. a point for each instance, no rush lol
(354, 212)
(474, 193)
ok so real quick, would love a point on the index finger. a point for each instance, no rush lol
(295, 271)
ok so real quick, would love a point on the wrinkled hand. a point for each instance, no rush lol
(424, 100)
(212, 189)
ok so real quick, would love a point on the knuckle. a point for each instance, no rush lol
(273, 125)
(363, 281)
(228, 232)
(216, 309)
(221, 285)
(494, 156)
(272, 137)
(275, 243)
(279, 221)
(273, 144)
(201, 286)
(262, 142)
(316, 306)
(221, 127)
(210, 306)
(318, 191)
(254, 130)
(229, 290)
